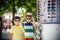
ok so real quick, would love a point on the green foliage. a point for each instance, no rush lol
(29, 5)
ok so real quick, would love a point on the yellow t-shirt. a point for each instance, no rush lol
(17, 32)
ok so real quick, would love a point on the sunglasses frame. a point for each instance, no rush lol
(28, 18)
(16, 20)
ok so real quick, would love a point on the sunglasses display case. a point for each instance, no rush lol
(48, 11)
(48, 16)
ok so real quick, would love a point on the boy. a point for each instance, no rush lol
(28, 27)
(17, 32)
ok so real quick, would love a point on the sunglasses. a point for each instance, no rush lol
(51, 13)
(51, 17)
(28, 18)
(17, 20)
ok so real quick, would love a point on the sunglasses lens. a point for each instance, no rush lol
(29, 18)
(17, 20)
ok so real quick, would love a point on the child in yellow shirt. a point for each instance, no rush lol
(17, 32)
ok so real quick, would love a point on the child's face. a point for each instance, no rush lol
(7, 23)
(28, 18)
(17, 22)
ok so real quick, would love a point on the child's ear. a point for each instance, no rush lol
(14, 21)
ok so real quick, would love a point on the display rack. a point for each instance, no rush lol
(48, 11)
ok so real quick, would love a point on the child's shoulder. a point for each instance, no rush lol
(12, 27)
(21, 27)
(25, 22)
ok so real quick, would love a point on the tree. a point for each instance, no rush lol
(29, 5)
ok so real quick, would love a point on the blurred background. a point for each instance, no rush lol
(15, 5)
(45, 12)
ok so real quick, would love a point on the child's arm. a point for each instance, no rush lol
(11, 33)
(33, 20)
(11, 36)
(22, 20)
(23, 35)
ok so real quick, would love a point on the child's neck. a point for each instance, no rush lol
(17, 25)
(28, 22)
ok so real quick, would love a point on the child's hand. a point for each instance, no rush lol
(37, 24)
(32, 19)
(24, 17)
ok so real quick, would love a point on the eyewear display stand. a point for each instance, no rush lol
(48, 14)
(48, 11)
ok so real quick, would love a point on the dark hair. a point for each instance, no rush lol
(17, 17)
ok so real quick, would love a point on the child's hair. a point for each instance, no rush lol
(17, 17)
